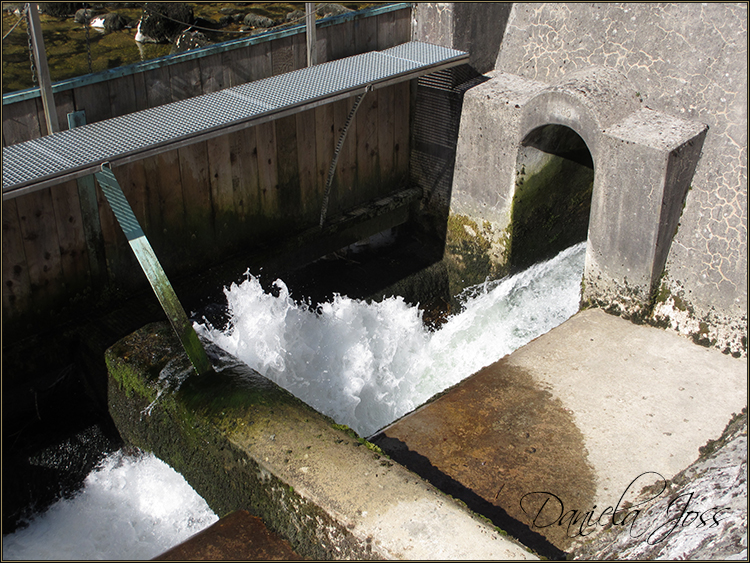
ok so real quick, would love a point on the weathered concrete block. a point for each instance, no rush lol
(643, 161)
(244, 443)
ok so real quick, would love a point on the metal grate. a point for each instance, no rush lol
(80, 151)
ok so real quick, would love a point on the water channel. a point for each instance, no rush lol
(364, 364)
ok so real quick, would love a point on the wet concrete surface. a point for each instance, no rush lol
(492, 439)
(238, 536)
(559, 435)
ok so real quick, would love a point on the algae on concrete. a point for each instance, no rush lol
(550, 212)
(243, 442)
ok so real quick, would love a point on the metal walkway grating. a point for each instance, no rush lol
(77, 152)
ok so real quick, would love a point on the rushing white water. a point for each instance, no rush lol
(367, 364)
(362, 364)
(130, 507)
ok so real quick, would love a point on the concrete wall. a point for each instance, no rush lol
(686, 61)
(473, 27)
(244, 443)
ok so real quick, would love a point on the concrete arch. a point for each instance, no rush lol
(587, 101)
(552, 196)
(643, 159)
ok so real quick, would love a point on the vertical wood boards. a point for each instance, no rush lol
(212, 73)
(341, 41)
(325, 143)
(16, 281)
(65, 104)
(299, 50)
(74, 260)
(246, 199)
(220, 184)
(203, 201)
(21, 121)
(198, 218)
(41, 248)
(386, 133)
(289, 195)
(342, 191)
(282, 56)
(402, 26)
(366, 142)
(185, 80)
(402, 128)
(386, 31)
(94, 100)
(268, 178)
(310, 197)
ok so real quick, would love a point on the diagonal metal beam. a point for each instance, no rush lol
(153, 270)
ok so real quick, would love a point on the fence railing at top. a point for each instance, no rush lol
(270, 35)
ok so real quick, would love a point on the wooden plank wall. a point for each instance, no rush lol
(209, 200)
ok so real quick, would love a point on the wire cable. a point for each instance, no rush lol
(15, 25)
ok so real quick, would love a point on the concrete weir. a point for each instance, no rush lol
(244, 443)
(643, 160)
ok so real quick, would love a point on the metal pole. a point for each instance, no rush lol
(312, 51)
(40, 56)
(153, 270)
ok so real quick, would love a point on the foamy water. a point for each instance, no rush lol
(367, 364)
(130, 507)
(364, 365)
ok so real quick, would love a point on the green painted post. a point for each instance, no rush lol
(153, 270)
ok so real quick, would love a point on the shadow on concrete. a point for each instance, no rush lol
(422, 466)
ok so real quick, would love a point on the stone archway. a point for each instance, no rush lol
(552, 195)
(644, 161)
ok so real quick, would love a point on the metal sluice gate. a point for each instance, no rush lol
(77, 152)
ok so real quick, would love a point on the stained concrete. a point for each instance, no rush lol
(643, 161)
(590, 412)
(243, 443)
(685, 59)
(238, 536)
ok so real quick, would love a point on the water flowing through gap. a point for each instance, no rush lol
(363, 364)
(367, 364)
(133, 506)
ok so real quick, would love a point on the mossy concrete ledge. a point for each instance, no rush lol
(242, 442)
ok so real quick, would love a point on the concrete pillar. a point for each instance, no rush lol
(643, 162)
(475, 27)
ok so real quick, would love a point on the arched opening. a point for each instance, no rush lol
(552, 198)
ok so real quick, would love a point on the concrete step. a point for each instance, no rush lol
(238, 536)
(596, 407)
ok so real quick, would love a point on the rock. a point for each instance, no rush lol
(701, 514)
(298, 15)
(188, 40)
(162, 22)
(207, 23)
(113, 22)
(329, 10)
(82, 16)
(254, 20)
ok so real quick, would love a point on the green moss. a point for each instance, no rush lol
(550, 210)
(468, 252)
(361, 441)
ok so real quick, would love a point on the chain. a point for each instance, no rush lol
(31, 46)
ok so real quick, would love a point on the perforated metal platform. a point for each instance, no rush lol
(59, 157)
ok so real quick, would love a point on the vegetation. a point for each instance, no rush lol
(68, 44)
